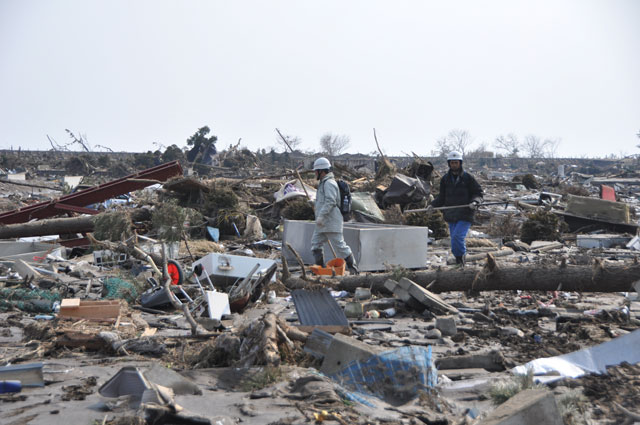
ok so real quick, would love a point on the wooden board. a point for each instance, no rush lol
(70, 302)
(102, 310)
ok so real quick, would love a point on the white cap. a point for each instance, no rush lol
(321, 164)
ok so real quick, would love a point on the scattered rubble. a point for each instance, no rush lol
(180, 305)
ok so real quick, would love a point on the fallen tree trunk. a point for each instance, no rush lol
(590, 278)
(61, 226)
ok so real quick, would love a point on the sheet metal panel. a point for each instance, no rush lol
(318, 308)
(374, 246)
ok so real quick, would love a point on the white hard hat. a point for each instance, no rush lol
(454, 156)
(321, 164)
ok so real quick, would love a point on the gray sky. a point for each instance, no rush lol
(130, 73)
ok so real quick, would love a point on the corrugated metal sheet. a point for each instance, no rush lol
(318, 308)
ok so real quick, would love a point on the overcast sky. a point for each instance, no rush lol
(130, 73)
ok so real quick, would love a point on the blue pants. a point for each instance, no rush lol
(458, 232)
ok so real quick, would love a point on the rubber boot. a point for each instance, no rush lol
(460, 261)
(351, 264)
(318, 257)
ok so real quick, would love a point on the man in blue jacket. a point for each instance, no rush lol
(329, 217)
(458, 187)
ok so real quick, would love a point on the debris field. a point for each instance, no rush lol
(168, 295)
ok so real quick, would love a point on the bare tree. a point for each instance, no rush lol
(533, 146)
(334, 145)
(443, 147)
(509, 143)
(551, 147)
(458, 140)
(286, 141)
(461, 140)
(106, 148)
(82, 140)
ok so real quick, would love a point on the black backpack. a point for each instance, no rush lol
(345, 199)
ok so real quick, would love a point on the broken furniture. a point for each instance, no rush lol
(374, 246)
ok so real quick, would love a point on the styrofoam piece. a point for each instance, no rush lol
(217, 304)
(374, 246)
(634, 244)
(229, 268)
(601, 241)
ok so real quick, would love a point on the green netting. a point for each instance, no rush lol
(28, 300)
(117, 288)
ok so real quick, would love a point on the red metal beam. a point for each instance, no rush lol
(70, 243)
(94, 194)
(81, 210)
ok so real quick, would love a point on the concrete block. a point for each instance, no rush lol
(446, 325)
(342, 351)
(427, 298)
(397, 290)
(600, 209)
(403, 295)
(528, 407)
(353, 310)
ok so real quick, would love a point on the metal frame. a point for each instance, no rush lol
(76, 202)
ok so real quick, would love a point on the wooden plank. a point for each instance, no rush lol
(70, 302)
(332, 329)
(92, 310)
(149, 332)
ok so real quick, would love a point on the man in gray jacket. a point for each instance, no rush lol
(329, 217)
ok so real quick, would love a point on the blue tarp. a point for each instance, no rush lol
(395, 376)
